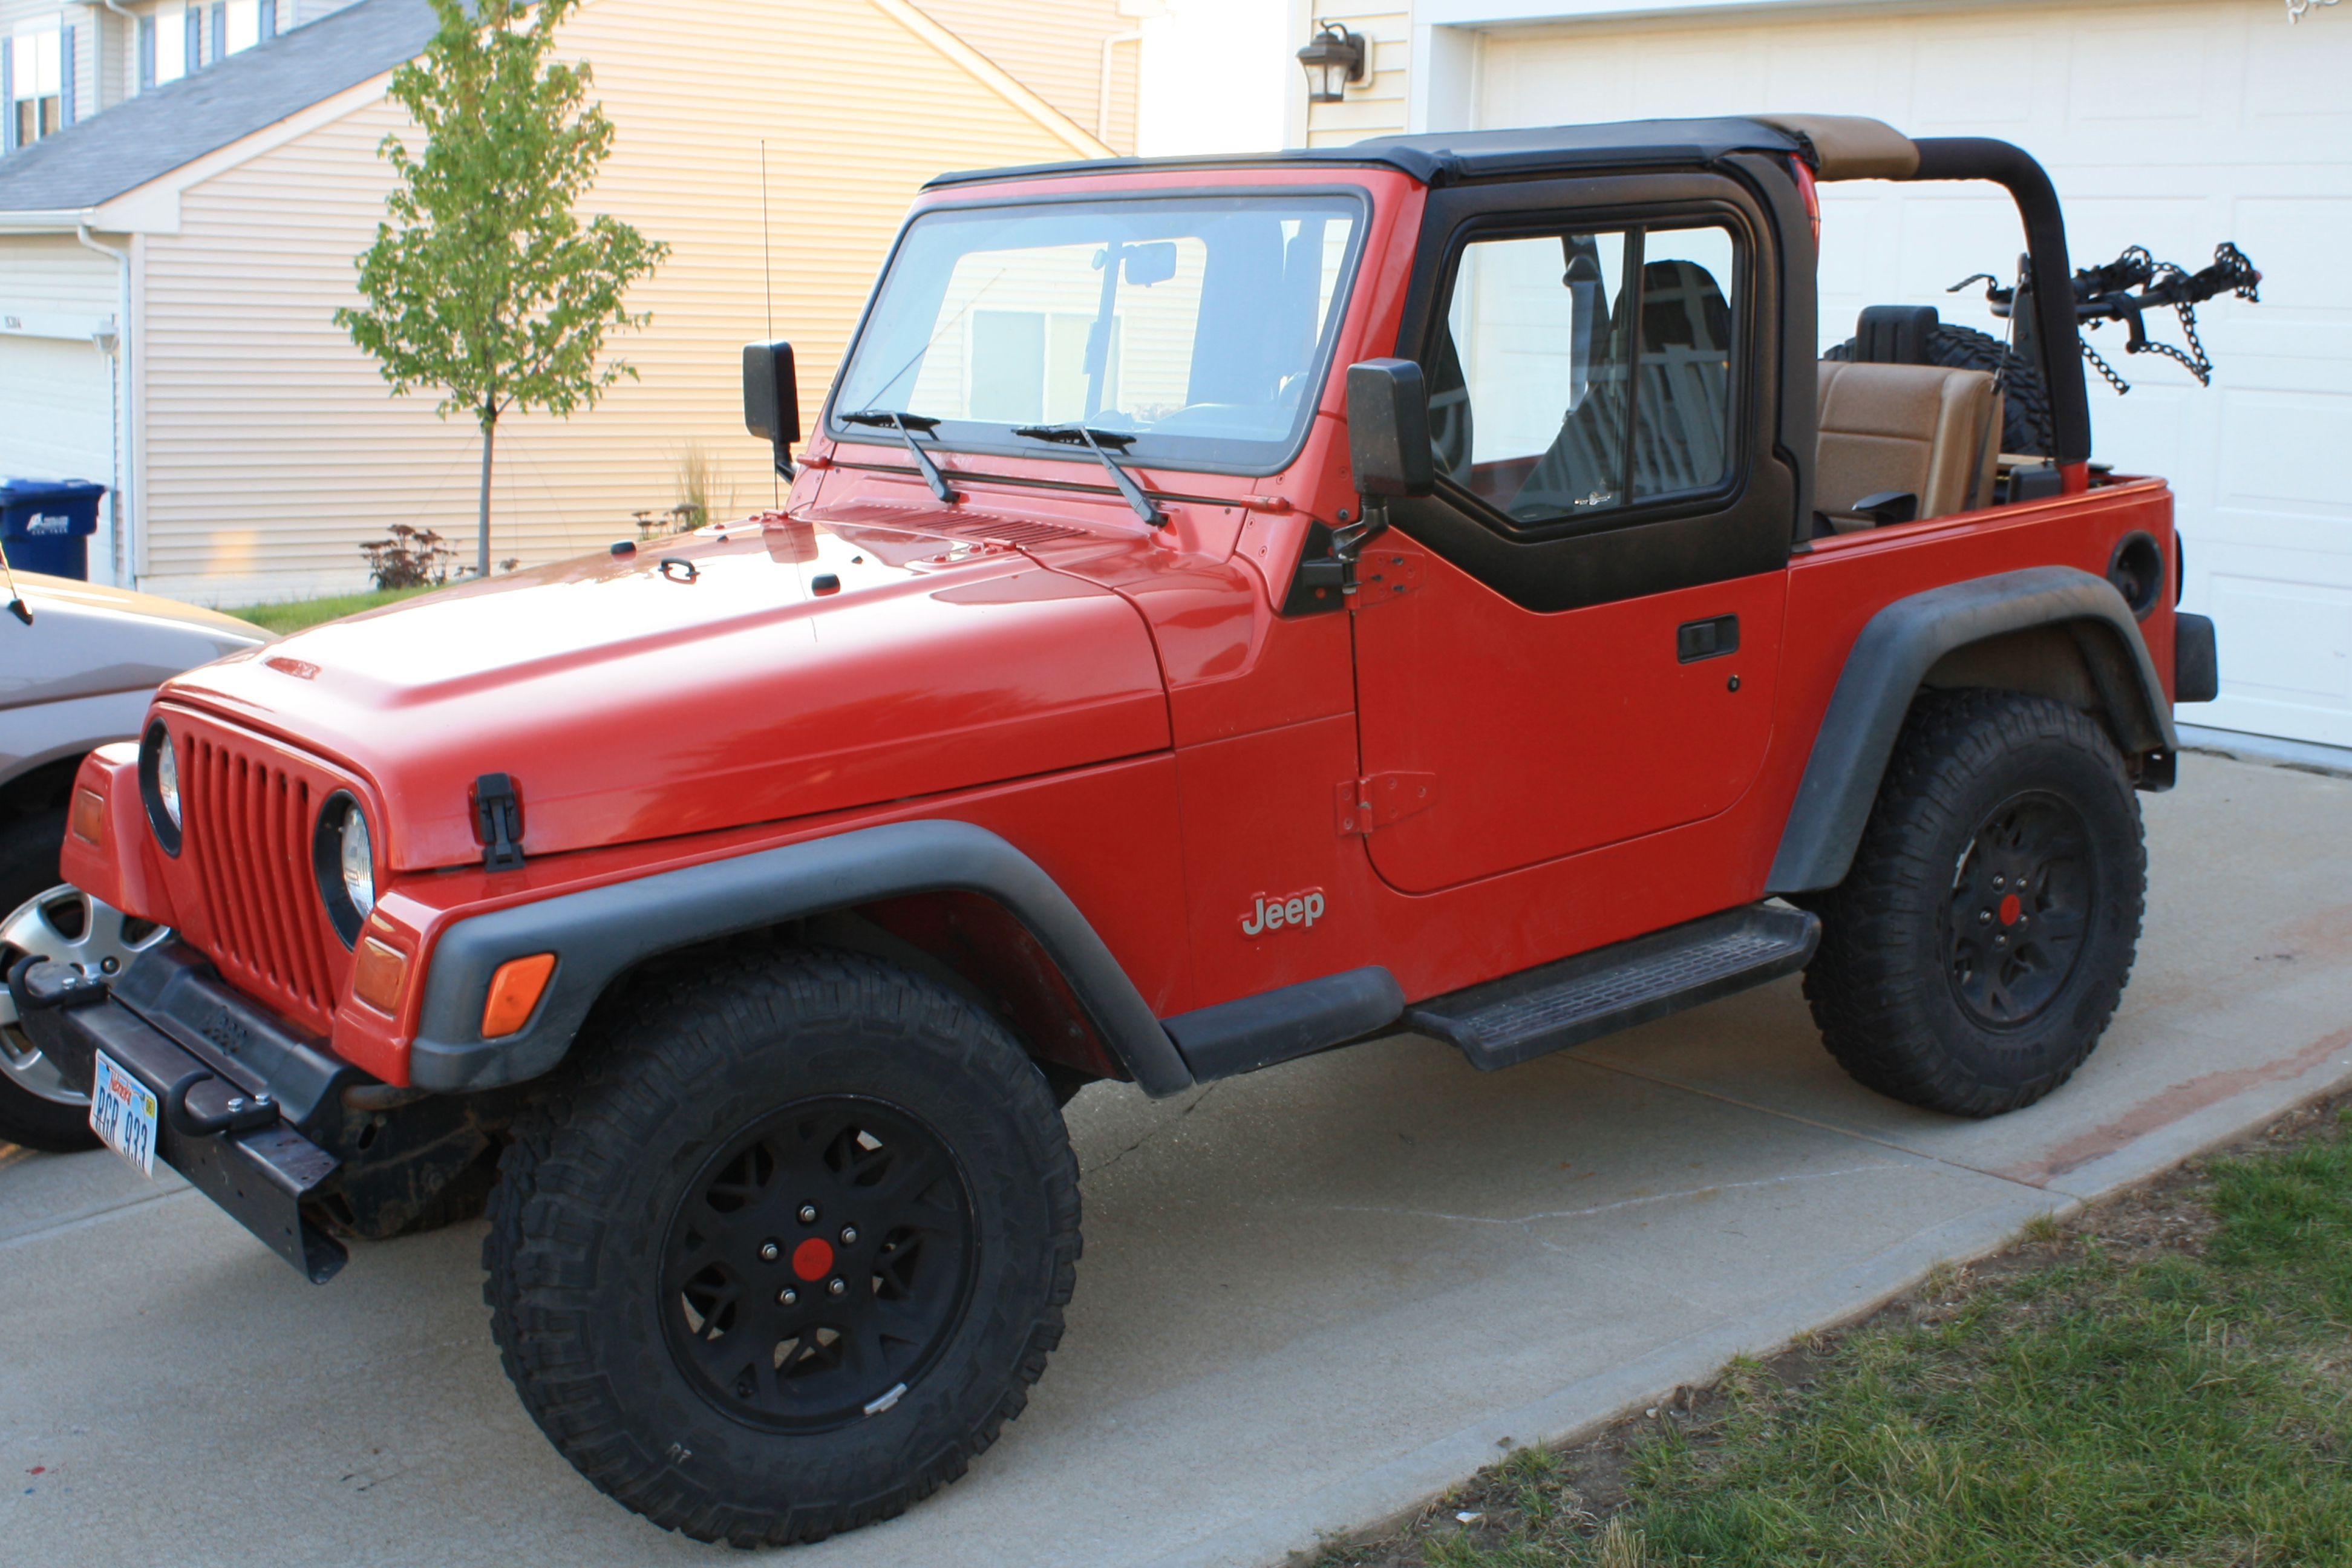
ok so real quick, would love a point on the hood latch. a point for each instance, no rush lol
(498, 821)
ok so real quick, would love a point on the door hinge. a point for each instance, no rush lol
(1375, 802)
(1382, 575)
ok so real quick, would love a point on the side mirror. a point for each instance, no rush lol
(1388, 429)
(772, 398)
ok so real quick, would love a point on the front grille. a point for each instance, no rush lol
(249, 821)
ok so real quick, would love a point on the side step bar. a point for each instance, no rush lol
(1508, 1021)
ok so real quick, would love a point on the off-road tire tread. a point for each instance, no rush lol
(1864, 985)
(544, 1223)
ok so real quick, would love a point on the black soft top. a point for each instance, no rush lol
(1442, 157)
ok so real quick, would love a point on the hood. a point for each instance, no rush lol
(86, 640)
(707, 682)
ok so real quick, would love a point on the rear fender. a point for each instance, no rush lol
(957, 891)
(2054, 630)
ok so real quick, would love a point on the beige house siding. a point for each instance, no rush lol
(53, 273)
(272, 447)
(1375, 107)
(1057, 52)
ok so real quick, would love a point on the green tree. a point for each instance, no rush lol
(484, 283)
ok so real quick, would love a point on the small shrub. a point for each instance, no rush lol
(410, 558)
(703, 492)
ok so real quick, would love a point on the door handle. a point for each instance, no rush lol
(1711, 638)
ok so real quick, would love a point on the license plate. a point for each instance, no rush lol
(122, 1114)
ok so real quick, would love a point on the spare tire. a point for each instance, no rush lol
(2025, 423)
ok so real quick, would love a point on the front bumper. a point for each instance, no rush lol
(237, 1091)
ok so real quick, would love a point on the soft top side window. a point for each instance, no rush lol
(1582, 371)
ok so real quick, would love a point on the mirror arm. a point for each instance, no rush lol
(1348, 541)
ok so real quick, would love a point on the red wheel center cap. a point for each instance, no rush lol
(812, 1258)
(2011, 908)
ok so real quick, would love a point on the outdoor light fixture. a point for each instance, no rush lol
(1335, 57)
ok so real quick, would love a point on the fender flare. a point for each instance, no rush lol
(1884, 671)
(598, 933)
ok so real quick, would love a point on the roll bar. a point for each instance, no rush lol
(2055, 330)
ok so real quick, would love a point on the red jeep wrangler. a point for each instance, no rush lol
(1227, 609)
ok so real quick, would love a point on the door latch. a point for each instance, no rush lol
(1712, 638)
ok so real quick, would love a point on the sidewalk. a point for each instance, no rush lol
(1310, 1297)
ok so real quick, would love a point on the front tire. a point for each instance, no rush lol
(1971, 958)
(787, 1248)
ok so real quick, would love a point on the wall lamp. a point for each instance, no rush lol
(1332, 59)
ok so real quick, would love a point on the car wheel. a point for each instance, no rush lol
(66, 925)
(786, 1248)
(1971, 958)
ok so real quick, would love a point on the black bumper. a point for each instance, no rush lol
(235, 1087)
(2196, 661)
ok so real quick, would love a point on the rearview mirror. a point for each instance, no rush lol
(771, 398)
(1150, 264)
(1388, 429)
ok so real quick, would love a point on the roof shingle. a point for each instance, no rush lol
(165, 127)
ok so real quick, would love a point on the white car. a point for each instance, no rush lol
(79, 676)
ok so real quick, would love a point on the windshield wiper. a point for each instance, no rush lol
(907, 425)
(1094, 441)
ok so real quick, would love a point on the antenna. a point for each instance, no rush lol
(768, 279)
(17, 606)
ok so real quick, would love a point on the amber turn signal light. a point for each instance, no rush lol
(88, 819)
(377, 973)
(514, 991)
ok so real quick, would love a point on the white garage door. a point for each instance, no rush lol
(2169, 125)
(56, 410)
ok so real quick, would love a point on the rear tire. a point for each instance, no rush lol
(1971, 958)
(698, 1347)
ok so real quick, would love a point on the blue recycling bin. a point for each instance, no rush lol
(46, 524)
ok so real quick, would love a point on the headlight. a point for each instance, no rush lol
(359, 861)
(343, 856)
(167, 778)
(159, 785)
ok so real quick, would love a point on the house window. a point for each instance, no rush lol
(1029, 367)
(240, 25)
(167, 57)
(35, 83)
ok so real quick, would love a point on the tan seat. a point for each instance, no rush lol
(1923, 428)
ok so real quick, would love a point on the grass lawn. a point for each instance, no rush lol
(2165, 1379)
(296, 614)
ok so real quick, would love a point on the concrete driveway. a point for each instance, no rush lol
(1309, 1298)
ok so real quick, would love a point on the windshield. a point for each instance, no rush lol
(1198, 325)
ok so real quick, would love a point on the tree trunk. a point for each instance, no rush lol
(482, 525)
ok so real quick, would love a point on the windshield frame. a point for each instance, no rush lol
(967, 436)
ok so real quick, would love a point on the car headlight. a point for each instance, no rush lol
(342, 854)
(359, 861)
(159, 785)
(167, 778)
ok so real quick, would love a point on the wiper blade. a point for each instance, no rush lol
(1094, 441)
(907, 425)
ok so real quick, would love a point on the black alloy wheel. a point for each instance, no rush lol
(785, 1243)
(1983, 935)
(2023, 899)
(815, 1266)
